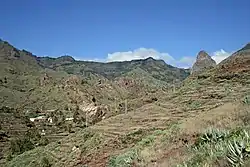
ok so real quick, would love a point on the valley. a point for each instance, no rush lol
(133, 113)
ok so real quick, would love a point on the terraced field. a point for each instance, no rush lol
(147, 123)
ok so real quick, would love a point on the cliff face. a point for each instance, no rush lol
(203, 62)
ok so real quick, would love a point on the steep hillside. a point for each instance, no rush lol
(149, 126)
(175, 125)
(48, 62)
(60, 88)
(40, 82)
(238, 62)
(158, 69)
(19, 71)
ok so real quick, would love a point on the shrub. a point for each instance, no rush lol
(68, 128)
(194, 105)
(146, 141)
(45, 162)
(43, 141)
(238, 150)
(29, 141)
(246, 100)
(20, 145)
(6, 109)
(211, 136)
(232, 147)
(124, 160)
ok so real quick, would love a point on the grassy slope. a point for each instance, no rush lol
(147, 137)
(23, 72)
(71, 83)
(156, 132)
(157, 69)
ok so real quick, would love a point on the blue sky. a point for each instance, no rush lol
(174, 30)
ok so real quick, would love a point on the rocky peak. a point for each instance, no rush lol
(203, 62)
(202, 55)
(66, 58)
(150, 59)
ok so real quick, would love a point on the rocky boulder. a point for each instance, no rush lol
(203, 62)
(93, 113)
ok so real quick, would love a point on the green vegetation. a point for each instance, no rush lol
(149, 141)
(45, 162)
(230, 146)
(152, 93)
(246, 100)
(194, 104)
(124, 160)
(29, 141)
(6, 109)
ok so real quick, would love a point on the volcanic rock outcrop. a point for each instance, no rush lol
(92, 113)
(203, 62)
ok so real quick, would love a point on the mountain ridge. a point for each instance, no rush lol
(21, 66)
(134, 104)
(166, 124)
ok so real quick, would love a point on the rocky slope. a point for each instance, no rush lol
(158, 69)
(147, 126)
(62, 88)
(44, 83)
(26, 77)
(156, 132)
(238, 62)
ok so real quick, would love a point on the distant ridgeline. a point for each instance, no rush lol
(45, 82)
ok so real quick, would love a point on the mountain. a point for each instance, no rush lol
(200, 123)
(156, 68)
(24, 74)
(48, 62)
(141, 116)
(64, 87)
(203, 62)
(237, 62)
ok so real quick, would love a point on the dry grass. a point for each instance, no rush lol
(194, 108)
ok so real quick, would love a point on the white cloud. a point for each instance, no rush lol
(143, 53)
(186, 62)
(220, 55)
(95, 60)
(78, 58)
